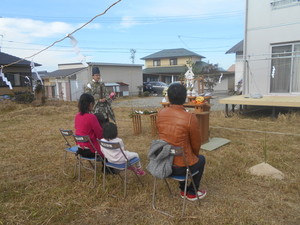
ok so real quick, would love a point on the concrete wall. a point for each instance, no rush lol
(131, 75)
(70, 88)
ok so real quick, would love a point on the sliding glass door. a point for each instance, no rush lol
(285, 69)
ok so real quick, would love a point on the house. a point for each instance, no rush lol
(17, 71)
(170, 65)
(67, 83)
(271, 48)
(270, 56)
(225, 81)
(239, 63)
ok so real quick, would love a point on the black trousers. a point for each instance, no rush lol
(199, 166)
(86, 152)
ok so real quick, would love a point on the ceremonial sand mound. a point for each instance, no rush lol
(264, 169)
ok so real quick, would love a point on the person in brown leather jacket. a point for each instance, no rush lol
(181, 128)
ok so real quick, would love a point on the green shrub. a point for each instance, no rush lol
(24, 97)
(146, 94)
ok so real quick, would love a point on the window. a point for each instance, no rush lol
(173, 61)
(285, 69)
(276, 4)
(17, 79)
(156, 62)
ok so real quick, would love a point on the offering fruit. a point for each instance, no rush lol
(200, 100)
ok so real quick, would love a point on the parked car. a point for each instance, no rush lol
(165, 90)
(155, 86)
(147, 87)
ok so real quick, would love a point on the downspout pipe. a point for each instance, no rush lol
(245, 67)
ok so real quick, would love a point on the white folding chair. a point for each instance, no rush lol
(92, 161)
(122, 166)
(68, 137)
(176, 151)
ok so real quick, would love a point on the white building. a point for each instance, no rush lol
(271, 48)
(67, 83)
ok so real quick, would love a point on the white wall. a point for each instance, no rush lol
(131, 75)
(267, 26)
(111, 73)
(239, 70)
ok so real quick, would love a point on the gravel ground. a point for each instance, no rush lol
(154, 101)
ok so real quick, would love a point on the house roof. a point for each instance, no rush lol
(8, 59)
(231, 68)
(111, 84)
(166, 70)
(63, 73)
(238, 48)
(122, 84)
(169, 53)
(104, 64)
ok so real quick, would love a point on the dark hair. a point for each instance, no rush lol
(95, 70)
(101, 119)
(110, 131)
(177, 94)
(84, 103)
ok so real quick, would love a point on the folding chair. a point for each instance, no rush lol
(123, 166)
(67, 135)
(176, 151)
(92, 161)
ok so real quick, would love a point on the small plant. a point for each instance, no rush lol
(265, 148)
(24, 97)
(145, 112)
(140, 90)
(146, 94)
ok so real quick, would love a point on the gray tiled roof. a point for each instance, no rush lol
(7, 59)
(64, 72)
(169, 53)
(238, 48)
(173, 69)
(166, 70)
(105, 64)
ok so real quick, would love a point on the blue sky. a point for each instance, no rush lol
(208, 28)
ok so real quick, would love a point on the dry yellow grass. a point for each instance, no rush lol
(33, 189)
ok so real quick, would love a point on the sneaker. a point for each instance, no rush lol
(140, 172)
(182, 194)
(133, 168)
(201, 195)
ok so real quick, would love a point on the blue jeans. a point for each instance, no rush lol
(199, 166)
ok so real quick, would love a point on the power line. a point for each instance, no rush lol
(147, 19)
(60, 40)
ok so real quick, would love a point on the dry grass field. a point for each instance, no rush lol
(34, 190)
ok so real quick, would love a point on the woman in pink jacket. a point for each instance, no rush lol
(87, 123)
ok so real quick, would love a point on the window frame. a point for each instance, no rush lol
(173, 62)
(156, 62)
(287, 61)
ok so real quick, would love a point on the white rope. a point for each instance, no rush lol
(257, 131)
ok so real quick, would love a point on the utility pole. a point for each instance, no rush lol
(132, 56)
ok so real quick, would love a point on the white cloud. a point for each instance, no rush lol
(21, 38)
(29, 28)
(127, 22)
